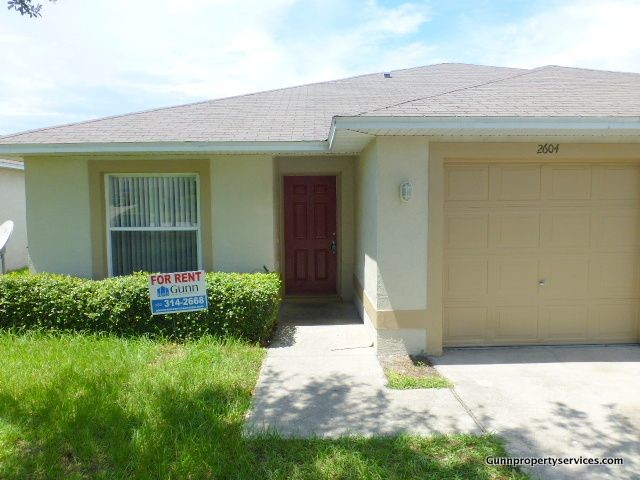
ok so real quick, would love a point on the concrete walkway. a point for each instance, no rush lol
(321, 377)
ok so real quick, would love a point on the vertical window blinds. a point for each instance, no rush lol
(153, 223)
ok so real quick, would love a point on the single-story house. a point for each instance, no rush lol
(456, 205)
(12, 207)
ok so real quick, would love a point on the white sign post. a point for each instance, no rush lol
(177, 292)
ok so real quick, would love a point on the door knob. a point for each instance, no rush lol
(333, 246)
(542, 283)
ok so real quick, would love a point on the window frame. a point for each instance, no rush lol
(109, 228)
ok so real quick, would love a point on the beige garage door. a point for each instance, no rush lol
(541, 254)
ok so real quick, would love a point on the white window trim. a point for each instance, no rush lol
(110, 229)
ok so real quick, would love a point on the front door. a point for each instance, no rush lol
(310, 241)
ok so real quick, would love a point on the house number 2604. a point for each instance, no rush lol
(544, 148)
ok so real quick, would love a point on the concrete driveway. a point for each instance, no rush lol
(555, 401)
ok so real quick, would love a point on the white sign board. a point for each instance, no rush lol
(177, 292)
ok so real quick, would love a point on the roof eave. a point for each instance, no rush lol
(494, 126)
(162, 147)
(497, 123)
(10, 165)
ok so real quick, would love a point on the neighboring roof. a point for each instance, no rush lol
(305, 113)
(11, 164)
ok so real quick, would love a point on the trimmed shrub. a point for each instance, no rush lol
(240, 305)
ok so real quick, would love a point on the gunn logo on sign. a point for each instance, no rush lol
(177, 292)
(163, 292)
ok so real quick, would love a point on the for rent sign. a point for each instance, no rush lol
(177, 292)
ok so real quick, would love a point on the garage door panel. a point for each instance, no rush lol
(621, 182)
(564, 322)
(514, 277)
(466, 324)
(517, 323)
(515, 229)
(465, 182)
(615, 322)
(565, 277)
(466, 231)
(566, 228)
(576, 227)
(615, 276)
(566, 182)
(617, 228)
(466, 277)
(514, 183)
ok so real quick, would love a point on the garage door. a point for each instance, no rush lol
(541, 254)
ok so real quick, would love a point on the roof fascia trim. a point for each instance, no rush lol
(166, 147)
(497, 123)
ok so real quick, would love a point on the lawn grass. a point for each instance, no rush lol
(405, 372)
(76, 407)
(400, 381)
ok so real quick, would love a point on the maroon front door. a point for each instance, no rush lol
(310, 241)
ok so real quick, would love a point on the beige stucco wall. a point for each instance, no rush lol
(366, 208)
(402, 235)
(344, 169)
(243, 216)
(391, 242)
(12, 207)
(58, 215)
(402, 241)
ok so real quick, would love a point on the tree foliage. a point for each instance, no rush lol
(26, 7)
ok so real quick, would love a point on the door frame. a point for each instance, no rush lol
(343, 167)
(281, 231)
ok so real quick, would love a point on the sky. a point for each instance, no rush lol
(89, 59)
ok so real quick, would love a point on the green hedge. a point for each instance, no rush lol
(240, 305)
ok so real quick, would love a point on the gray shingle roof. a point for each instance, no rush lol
(543, 92)
(304, 113)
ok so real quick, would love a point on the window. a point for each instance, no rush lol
(153, 223)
